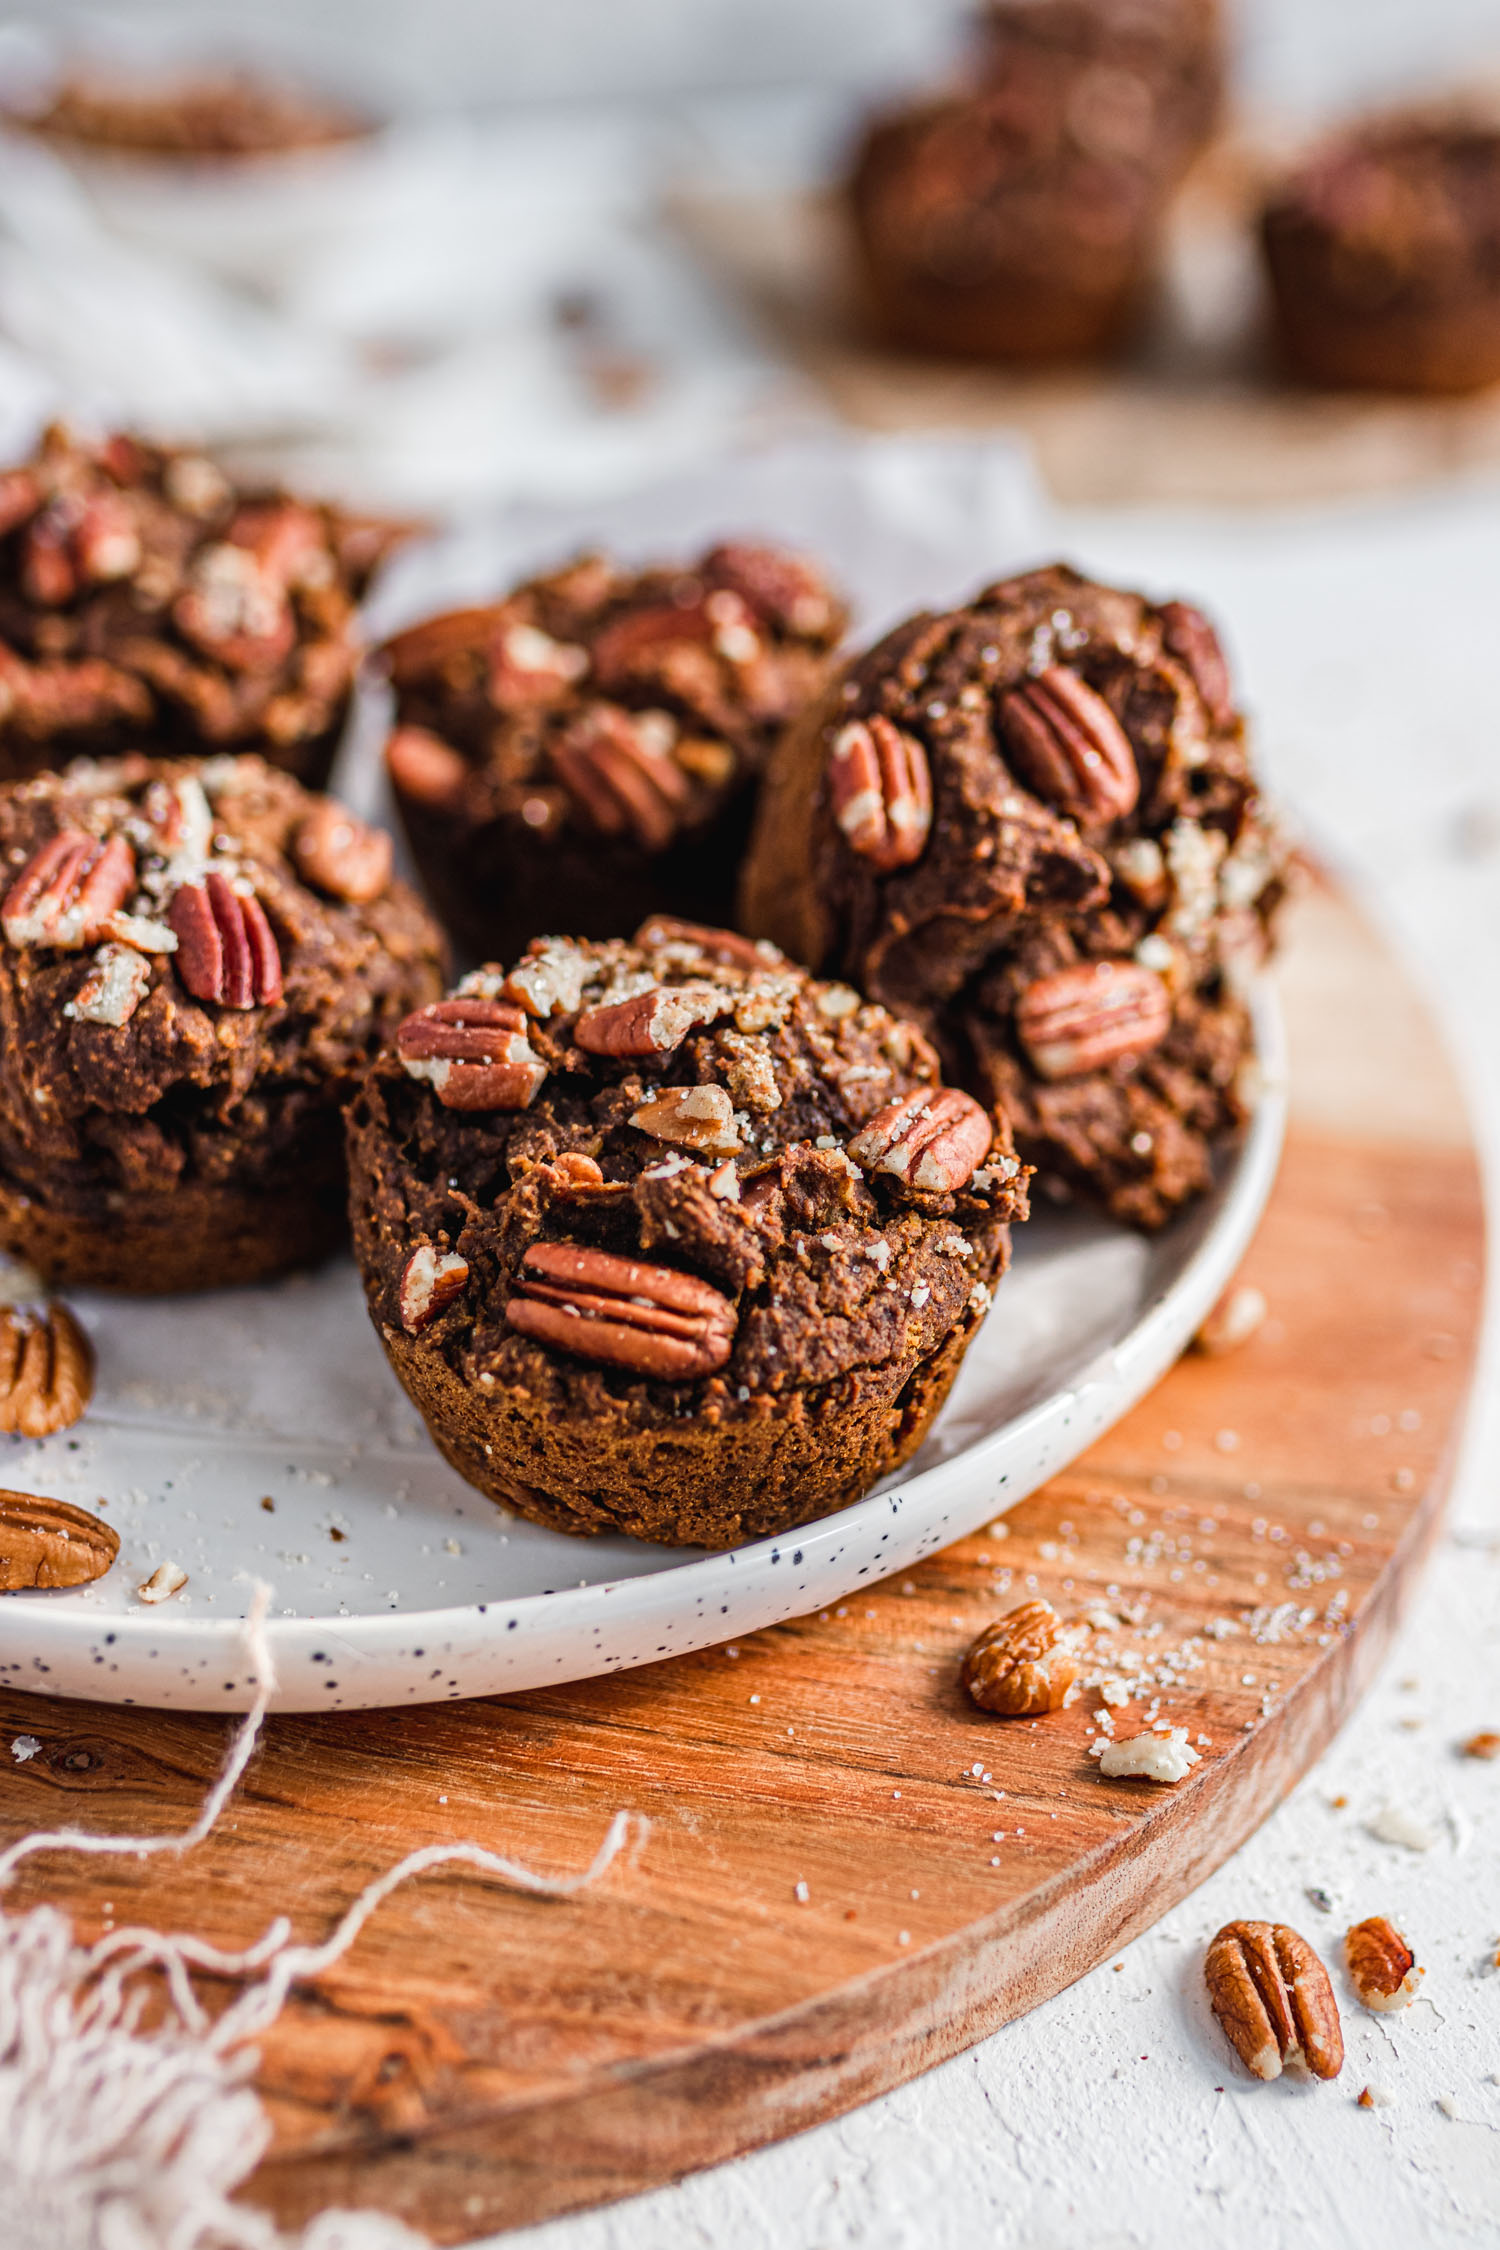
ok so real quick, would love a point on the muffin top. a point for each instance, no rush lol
(1127, 73)
(622, 1169)
(1402, 210)
(630, 704)
(141, 592)
(1054, 751)
(192, 951)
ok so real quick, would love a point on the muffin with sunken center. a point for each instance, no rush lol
(671, 1238)
(584, 751)
(1032, 824)
(198, 960)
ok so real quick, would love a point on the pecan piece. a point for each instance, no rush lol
(67, 891)
(700, 1117)
(46, 1372)
(1092, 1014)
(528, 667)
(649, 1319)
(431, 1280)
(933, 1140)
(727, 947)
(114, 987)
(235, 611)
(1070, 746)
(618, 773)
(649, 1023)
(1018, 1666)
(780, 587)
(473, 1052)
(424, 768)
(1382, 1966)
(881, 792)
(51, 1543)
(341, 855)
(635, 642)
(226, 949)
(1189, 637)
(1273, 2000)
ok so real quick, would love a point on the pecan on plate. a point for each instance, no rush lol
(226, 949)
(341, 855)
(1187, 635)
(1092, 1014)
(649, 1319)
(67, 891)
(1273, 2000)
(880, 788)
(698, 1117)
(649, 1023)
(431, 1280)
(1382, 1967)
(933, 1140)
(51, 1543)
(473, 1052)
(618, 770)
(1070, 747)
(1018, 1666)
(46, 1372)
(424, 768)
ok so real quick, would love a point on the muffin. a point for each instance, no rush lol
(147, 603)
(1383, 257)
(1031, 824)
(209, 116)
(1018, 219)
(670, 1238)
(584, 751)
(199, 960)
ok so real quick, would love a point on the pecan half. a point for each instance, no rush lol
(1382, 1966)
(1092, 1014)
(341, 855)
(226, 949)
(881, 791)
(67, 891)
(649, 1319)
(700, 1117)
(932, 1140)
(51, 1543)
(1017, 1667)
(473, 1052)
(46, 1372)
(431, 1280)
(659, 931)
(1069, 746)
(424, 768)
(1189, 637)
(649, 1023)
(1273, 2000)
(620, 776)
(781, 587)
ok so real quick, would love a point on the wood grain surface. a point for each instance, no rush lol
(481, 2059)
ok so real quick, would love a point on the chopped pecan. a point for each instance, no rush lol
(67, 891)
(1069, 745)
(1382, 1967)
(660, 932)
(527, 667)
(1189, 637)
(51, 1543)
(114, 987)
(182, 816)
(20, 497)
(48, 576)
(1273, 2000)
(1092, 1014)
(46, 1372)
(1233, 1321)
(780, 587)
(424, 768)
(881, 792)
(473, 1052)
(106, 543)
(226, 949)
(235, 610)
(635, 642)
(932, 1139)
(431, 1280)
(619, 775)
(341, 855)
(287, 542)
(700, 1117)
(649, 1319)
(649, 1023)
(573, 1173)
(550, 977)
(1019, 1665)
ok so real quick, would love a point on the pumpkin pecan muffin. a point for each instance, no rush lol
(1383, 255)
(670, 1238)
(583, 752)
(1031, 823)
(147, 603)
(197, 961)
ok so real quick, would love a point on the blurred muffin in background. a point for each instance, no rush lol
(1019, 221)
(147, 602)
(209, 115)
(1382, 250)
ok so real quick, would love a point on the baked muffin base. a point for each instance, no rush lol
(1434, 350)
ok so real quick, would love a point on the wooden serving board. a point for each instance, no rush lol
(482, 2059)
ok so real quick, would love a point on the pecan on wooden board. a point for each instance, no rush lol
(1018, 1667)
